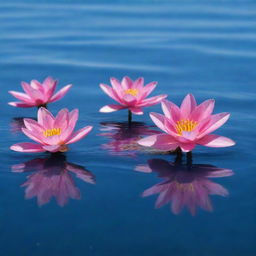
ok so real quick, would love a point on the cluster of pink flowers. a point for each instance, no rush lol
(52, 134)
(183, 127)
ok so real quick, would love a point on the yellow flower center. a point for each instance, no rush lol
(185, 126)
(132, 92)
(52, 132)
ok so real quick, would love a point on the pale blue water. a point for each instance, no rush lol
(207, 48)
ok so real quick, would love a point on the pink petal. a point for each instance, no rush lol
(213, 140)
(73, 117)
(45, 118)
(111, 108)
(36, 92)
(27, 147)
(49, 86)
(138, 83)
(61, 93)
(159, 120)
(189, 135)
(78, 135)
(203, 110)
(61, 120)
(21, 96)
(204, 124)
(117, 87)
(170, 128)
(171, 111)
(49, 82)
(27, 89)
(129, 99)
(161, 141)
(21, 104)
(36, 85)
(186, 147)
(32, 125)
(52, 148)
(37, 95)
(34, 135)
(216, 121)
(115, 84)
(110, 92)
(136, 111)
(152, 101)
(187, 106)
(147, 89)
(126, 83)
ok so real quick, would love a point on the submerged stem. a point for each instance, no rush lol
(178, 158)
(189, 158)
(129, 116)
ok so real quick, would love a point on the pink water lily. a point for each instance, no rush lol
(38, 94)
(52, 134)
(187, 126)
(130, 95)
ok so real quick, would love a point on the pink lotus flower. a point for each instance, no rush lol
(38, 94)
(185, 186)
(187, 126)
(130, 95)
(52, 178)
(52, 134)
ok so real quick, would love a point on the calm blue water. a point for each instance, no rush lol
(104, 202)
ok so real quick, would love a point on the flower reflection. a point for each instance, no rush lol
(52, 178)
(17, 123)
(185, 185)
(124, 136)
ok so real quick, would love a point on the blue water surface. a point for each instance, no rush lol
(103, 204)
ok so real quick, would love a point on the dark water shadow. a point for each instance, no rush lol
(52, 177)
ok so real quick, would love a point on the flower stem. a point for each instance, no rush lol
(178, 158)
(42, 106)
(129, 116)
